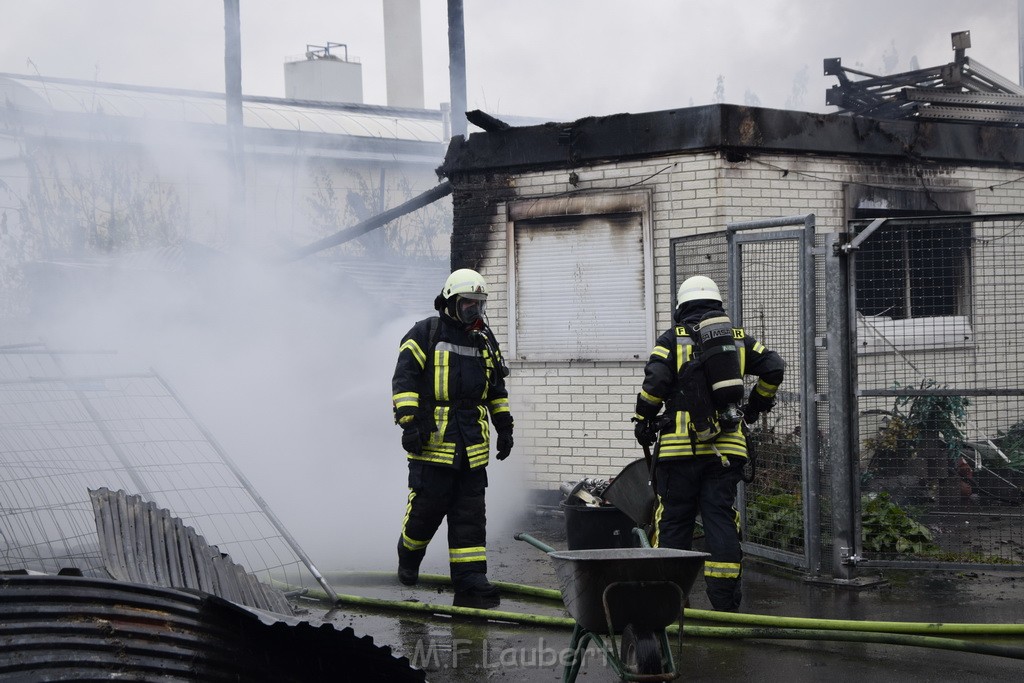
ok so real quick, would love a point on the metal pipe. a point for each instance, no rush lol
(534, 542)
(457, 66)
(234, 124)
(1020, 41)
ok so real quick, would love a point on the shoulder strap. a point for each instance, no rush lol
(435, 333)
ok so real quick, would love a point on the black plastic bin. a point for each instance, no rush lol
(594, 528)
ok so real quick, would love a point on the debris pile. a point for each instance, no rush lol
(588, 490)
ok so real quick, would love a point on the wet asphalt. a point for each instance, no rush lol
(453, 649)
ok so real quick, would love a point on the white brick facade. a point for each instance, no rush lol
(572, 418)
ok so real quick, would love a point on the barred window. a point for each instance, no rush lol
(915, 271)
(913, 285)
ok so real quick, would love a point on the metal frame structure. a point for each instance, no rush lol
(962, 90)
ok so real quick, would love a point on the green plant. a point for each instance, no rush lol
(779, 462)
(923, 426)
(935, 414)
(887, 528)
(1011, 443)
(776, 520)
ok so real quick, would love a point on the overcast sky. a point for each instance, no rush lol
(555, 59)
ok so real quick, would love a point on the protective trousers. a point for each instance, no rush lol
(437, 492)
(702, 484)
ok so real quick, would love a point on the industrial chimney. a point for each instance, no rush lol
(325, 75)
(403, 53)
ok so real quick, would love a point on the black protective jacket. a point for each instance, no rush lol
(673, 350)
(448, 380)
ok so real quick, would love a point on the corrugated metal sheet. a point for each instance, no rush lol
(142, 543)
(72, 421)
(85, 629)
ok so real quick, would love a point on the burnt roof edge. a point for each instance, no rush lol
(736, 129)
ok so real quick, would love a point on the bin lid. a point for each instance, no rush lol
(631, 492)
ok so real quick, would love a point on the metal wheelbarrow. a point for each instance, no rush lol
(633, 593)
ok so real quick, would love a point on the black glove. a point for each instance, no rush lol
(645, 431)
(755, 405)
(504, 444)
(413, 439)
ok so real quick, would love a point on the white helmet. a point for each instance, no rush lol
(696, 288)
(465, 282)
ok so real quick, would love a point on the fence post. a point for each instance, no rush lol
(842, 404)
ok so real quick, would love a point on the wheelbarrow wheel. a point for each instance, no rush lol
(641, 651)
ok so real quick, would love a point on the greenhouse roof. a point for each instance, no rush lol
(54, 95)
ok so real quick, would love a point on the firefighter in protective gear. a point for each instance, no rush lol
(702, 446)
(449, 378)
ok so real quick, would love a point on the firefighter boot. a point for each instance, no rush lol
(474, 590)
(409, 564)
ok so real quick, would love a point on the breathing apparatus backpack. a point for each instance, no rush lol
(711, 383)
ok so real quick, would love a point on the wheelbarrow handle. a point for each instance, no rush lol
(521, 536)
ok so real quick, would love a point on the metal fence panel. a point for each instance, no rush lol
(62, 434)
(940, 389)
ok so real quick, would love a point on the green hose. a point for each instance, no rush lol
(740, 618)
(859, 636)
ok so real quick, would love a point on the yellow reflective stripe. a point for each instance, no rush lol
(441, 414)
(742, 348)
(681, 448)
(412, 347)
(722, 570)
(411, 543)
(499, 405)
(650, 398)
(439, 459)
(675, 451)
(727, 444)
(475, 554)
(765, 389)
(684, 351)
(406, 399)
(660, 352)
(674, 438)
(441, 374)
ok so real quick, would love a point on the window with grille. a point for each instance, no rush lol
(580, 278)
(913, 284)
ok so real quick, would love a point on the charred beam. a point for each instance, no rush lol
(430, 196)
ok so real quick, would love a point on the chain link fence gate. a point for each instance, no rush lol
(766, 272)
